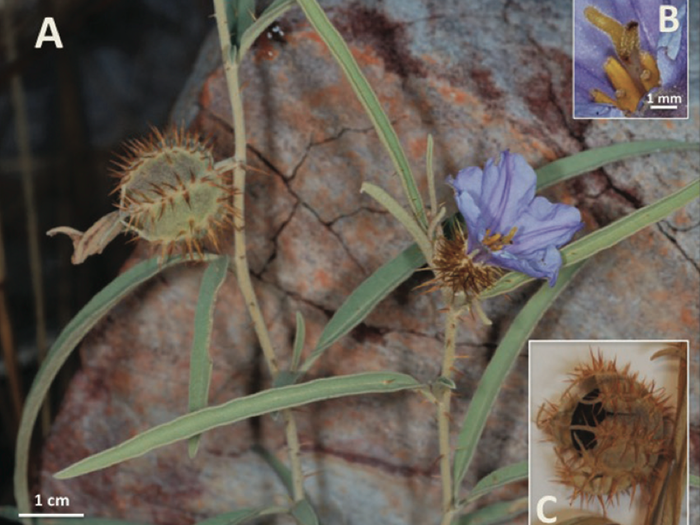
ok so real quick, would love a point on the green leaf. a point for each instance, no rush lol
(280, 468)
(497, 479)
(365, 297)
(304, 513)
(200, 360)
(497, 369)
(239, 409)
(66, 342)
(501, 512)
(589, 160)
(272, 13)
(607, 236)
(299, 339)
(340, 51)
(240, 516)
(387, 278)
(240, 15)
(430, 174)
(401, 215)
(695, 481)
(11, 513)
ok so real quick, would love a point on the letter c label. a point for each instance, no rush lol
(540, 509)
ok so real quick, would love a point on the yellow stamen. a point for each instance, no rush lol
(608, 25)
(601, 98)
(650, 74)
(636, 71)
(496, 241)
(627, 93)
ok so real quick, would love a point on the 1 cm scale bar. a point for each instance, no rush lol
(59, 515)
(663, 107)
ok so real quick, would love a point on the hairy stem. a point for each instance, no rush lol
(231, 68)
(443, 415)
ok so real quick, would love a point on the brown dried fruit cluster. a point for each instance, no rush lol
(609, 430)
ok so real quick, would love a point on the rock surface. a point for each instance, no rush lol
(479, 76)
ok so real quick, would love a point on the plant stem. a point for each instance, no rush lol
(231, 68)
(443, 415)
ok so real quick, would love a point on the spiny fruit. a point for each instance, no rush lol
(171, 193)
(609, 429)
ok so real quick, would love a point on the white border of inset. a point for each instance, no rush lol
(573, 71)
(530, 513)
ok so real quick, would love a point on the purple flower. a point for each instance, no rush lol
(622, 58)
(507, 225)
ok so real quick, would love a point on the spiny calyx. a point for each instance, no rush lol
(609, 431)
(171, 194)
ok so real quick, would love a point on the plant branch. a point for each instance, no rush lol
(443, 415)
(231, 67)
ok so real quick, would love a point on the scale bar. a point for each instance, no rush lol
(663, 107)
(67, 515)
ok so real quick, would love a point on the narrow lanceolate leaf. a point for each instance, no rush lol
(304, 513)
(66, 342)
(239, 409)
(592, 159)
(607, 236)
(340, 51)
(430, 174)
(299, 339)
(495, 514)
(497, 369)
(365, 297)
(200, 359)
(497, 479)
(263, 22)
(238, 517)
(401, 215)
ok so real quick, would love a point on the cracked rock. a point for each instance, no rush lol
(481, 77)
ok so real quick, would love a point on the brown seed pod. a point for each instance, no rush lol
(172, 195)
(609, 431)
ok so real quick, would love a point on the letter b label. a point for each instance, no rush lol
(668, 18)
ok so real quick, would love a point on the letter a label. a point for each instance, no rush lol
(49, 33)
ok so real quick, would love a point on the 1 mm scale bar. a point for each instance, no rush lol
(663, 107)
(67, 515)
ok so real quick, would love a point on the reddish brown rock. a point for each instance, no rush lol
(480, 78)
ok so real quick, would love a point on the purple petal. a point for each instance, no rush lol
(542, 264)
(467, 186)
(544, 224)
(507, 190)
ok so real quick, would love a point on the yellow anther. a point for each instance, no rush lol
(636, 71)
(650, 76)
(508, 239)
(601, 98)
(629, 42)
(497, 241)
(609, 26)
(627, 93)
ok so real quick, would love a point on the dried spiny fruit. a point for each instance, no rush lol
(171, 194)
(609, 429)
(459, 273)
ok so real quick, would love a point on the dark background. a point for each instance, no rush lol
(121, 69)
